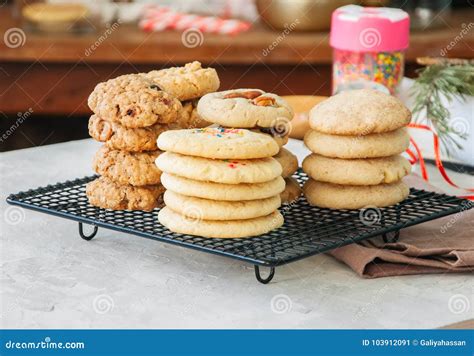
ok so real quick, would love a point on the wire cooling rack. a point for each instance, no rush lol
(307, 230)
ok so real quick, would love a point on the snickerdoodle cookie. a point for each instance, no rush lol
(370, 171)
(359, 112)
(288, 161)
(368, 146)
(292, 190)
(336, 196)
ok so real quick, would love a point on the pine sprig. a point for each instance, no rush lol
(435, 85)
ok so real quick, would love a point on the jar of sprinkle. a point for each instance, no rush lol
(369, 46)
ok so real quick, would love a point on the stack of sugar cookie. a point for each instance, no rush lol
(260, 112)
(220, 182)
(356, 139)
(130, 112)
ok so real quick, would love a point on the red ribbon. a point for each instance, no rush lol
(438, 161)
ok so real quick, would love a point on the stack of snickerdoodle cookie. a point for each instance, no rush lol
(356, 139)
(257, 111)
(130, 112)
(220, 182)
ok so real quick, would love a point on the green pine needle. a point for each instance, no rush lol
(434, 83)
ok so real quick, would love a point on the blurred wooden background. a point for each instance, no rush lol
(53, 74)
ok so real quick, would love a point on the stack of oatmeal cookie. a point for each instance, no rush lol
(130, 112)
(188, 84)
(261, 112)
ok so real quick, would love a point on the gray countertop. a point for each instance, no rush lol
(51, 278)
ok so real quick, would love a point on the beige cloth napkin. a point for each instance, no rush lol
(437, 246)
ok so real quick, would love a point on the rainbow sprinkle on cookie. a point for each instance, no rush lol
(219, 131)
(233, 164)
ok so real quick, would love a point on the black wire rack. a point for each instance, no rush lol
(307, 230)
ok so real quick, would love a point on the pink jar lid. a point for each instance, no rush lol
(369, 29)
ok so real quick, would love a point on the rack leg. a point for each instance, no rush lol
(259, 277)
(391, 237)
(87, 237)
